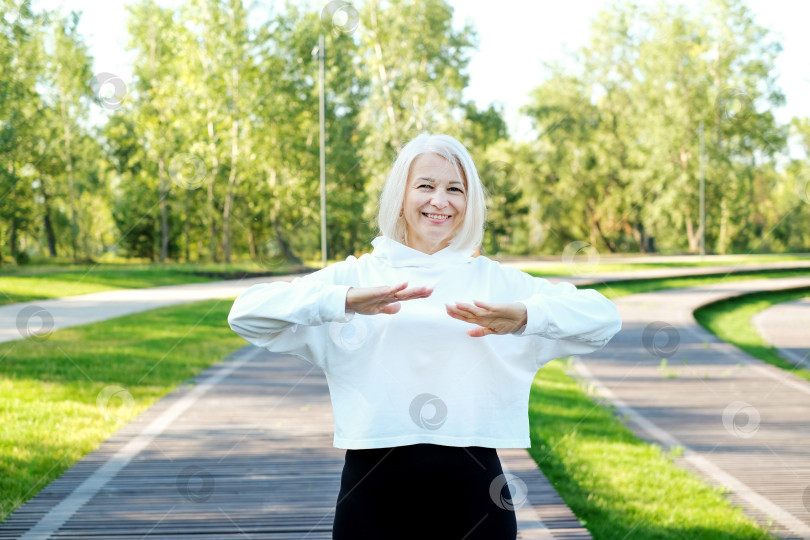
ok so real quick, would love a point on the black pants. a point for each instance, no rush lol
(423, 492)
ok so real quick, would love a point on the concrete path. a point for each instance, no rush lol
(42, 317)
(242, 451)
(742, 423)
(787, 327)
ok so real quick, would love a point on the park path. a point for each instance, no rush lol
(742, 424)
(243, 451)
(786, 326)
(163, 474)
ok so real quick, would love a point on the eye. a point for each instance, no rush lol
(457, 189)
(426, 185)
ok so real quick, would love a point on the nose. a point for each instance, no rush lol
(439, 199)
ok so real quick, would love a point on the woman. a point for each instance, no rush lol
(429, 354)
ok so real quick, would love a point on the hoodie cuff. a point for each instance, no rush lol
(332, 304)
(536, 318)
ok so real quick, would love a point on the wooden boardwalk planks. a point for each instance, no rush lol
(246, 452)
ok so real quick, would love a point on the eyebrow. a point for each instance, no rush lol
(429, 179)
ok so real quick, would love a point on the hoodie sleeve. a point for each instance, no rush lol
(566, 319)
(292, 317)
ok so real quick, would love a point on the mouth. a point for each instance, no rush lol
(436, 218)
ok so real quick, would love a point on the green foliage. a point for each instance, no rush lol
(211, 151)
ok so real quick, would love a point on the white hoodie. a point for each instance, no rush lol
(416, 376)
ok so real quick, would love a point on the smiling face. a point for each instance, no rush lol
(435, 202)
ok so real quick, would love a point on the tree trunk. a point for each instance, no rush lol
(187, 234)
(285, 248)
(251, 243)
(692, 236)
(69, 165)
(212, 149)
(164, 222)
(49, 234)
(389, 102)
(226, 217)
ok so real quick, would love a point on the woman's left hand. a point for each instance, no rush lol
(491, 318)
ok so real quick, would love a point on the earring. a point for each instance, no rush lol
(400, 211)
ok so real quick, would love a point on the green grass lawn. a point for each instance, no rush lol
(49, 416)
(26, 284)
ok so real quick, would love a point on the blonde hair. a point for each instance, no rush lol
(392, 224)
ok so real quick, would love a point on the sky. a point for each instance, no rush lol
(515, 38)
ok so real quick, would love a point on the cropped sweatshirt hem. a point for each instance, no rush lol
(403, 440)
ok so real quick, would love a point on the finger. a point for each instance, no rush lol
(475, 311)
(479, 331)
(456, 313)
(416, 292)
(392, 308)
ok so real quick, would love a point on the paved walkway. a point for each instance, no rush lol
(245, 451)
(742, 423)
(44, 316)
(787, 327)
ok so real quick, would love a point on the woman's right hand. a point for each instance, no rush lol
(384, 299)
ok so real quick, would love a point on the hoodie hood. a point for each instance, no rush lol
(399, 255)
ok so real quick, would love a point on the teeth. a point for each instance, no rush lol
(437, 216)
